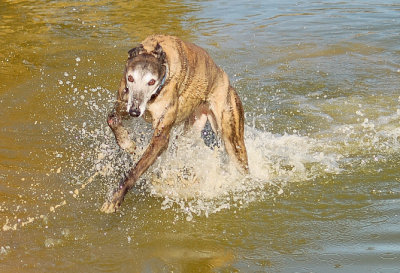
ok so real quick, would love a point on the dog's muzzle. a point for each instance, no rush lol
(134, 112)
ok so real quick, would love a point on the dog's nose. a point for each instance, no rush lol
(134, 112)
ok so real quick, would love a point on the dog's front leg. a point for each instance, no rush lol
(158, 143)
(114, 121)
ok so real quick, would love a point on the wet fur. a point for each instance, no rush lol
(195, 90)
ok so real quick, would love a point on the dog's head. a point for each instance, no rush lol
(145, 73)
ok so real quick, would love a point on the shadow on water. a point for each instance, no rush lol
(322, 133)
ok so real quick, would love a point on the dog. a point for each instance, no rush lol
(168, 82)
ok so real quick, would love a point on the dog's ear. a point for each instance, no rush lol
(159, 53)
(135, 51)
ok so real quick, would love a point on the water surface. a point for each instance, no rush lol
(320, 85)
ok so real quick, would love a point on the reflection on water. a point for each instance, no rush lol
(319, 82)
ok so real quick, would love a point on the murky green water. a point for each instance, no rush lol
(320, 82)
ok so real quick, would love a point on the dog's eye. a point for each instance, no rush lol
(130, 78)
(126, 90)
(152, 82)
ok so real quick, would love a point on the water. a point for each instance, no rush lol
(320, 86)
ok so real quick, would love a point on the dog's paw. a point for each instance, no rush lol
(113, 205)
(113, 120)
(109, 207)
(128, 146)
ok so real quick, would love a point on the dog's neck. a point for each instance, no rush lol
(161, 84)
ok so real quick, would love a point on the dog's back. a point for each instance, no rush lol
(192, 68)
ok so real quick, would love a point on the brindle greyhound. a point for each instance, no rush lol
(169, 81)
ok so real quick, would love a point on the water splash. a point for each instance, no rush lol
(193, 179)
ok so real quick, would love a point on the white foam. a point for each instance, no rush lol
(194, 179)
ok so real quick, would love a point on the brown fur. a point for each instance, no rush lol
(195, 86)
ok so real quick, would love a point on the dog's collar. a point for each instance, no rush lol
(160, 86)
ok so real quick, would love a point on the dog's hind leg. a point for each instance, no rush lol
(197, 125)
(197, 120)
(229, 116)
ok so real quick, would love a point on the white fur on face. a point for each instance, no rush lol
(139, 90)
